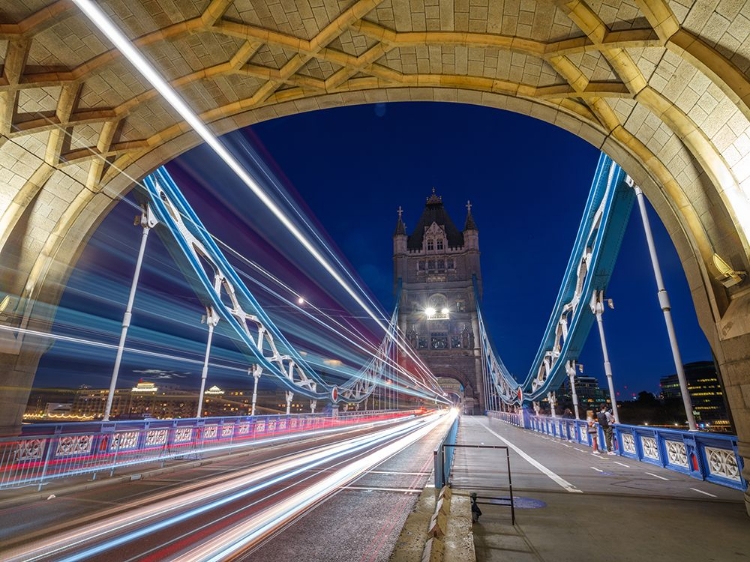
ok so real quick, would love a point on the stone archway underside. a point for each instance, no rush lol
(662, 86)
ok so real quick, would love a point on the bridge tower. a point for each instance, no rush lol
(435, 266)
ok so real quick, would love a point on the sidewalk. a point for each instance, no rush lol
(615, 509)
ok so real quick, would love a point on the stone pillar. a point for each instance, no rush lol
(17, 372)
(733, 360)
(731, 347)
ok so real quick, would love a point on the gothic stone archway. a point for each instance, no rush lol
(662, 86)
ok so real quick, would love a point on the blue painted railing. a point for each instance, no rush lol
(713, 457)
(48, 451)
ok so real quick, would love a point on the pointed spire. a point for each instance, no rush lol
(434, 199)
(400, 226)
(470, 224)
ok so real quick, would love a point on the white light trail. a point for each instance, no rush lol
(100, 19)
(105, 25)
(132, 524)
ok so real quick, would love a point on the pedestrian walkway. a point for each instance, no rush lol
(572, 505)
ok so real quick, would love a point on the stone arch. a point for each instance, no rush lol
(661, 87)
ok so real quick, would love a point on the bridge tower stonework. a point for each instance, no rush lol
(435, 266)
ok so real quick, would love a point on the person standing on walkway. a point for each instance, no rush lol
(605, 421)
(591, 430)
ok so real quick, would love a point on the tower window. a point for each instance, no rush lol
(439, 244)
(430, 245)
(439, 340)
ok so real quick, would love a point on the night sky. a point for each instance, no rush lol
(350, 169)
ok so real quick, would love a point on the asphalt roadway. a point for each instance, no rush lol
(572, 505)
(119, 519)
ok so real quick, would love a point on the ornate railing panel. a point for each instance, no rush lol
(713, 457)
(61, 450)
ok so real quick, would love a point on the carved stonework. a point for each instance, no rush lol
(650, 449)
(723, 463)
(676, 453)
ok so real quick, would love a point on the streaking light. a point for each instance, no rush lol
(99, 18)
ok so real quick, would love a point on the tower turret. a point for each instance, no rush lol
(434, 268)
(399, 236)
(471, 232)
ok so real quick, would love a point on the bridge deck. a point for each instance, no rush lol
(572, 505)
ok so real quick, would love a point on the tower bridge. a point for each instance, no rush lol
(662, 87)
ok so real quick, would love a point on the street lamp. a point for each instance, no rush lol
(570, 369)
(148, 221)
(211, 318)
(597, 307)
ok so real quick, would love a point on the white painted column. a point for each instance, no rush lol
(666, 309)
(289, 398)
(147, 221)
(570, 368)
(211, 320)
(597, 307)
(256, 372)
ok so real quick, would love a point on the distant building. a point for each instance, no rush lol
(436, 267)
(705, 392)
(146, 399)
(590, 394)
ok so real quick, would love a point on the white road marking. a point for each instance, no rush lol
(657, 476)
(597, 469)
(622, 464)
(539, 466)
(702, 492)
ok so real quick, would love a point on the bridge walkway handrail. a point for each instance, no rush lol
(53, 451)
(713, 457)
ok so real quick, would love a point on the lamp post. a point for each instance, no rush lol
(147, 220)
(597, 307)
(570, 368)
(666, 309)
(256, 372)
(211, 319)
(552, 398)
(289, 398)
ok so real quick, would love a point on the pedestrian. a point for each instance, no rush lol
(591, 430)
(567, 414)
(475, 511)
(605, 421)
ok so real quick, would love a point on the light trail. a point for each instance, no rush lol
(123, 44)
(113, 33)
(241, 537)
(428, 385)
(148, 519)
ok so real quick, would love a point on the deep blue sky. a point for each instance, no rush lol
(352, 168)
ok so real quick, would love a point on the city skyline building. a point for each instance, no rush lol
(706, 393)
(168, 401)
